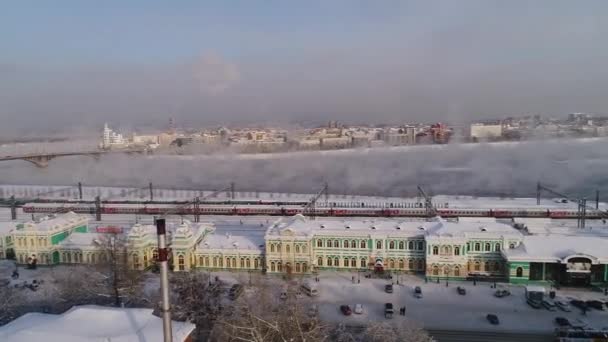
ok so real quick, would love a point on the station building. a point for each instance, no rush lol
(473, 248)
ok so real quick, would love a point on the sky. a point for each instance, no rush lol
(69, 64)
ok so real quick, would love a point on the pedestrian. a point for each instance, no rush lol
(358, 281)
(353, 279)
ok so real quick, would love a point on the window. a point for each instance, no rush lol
(279, 267)
(319, 243)
(477, 266)
(497, 247)
(303, 248)
(488, 247)
(410, 245)
(435, 250)
(345, 243)
(345, 262)
(401, 245)
(298, 267)
(200, 260)
(391, 264)
(320, 261)
(353, 262)
(420, 264)
(242, 263)
(336, 243)
(401, 264)
(273, 267)
(329, 262)
(329, 243)
(181, 263)
(511, 245)
(214, 261)
(256, 263)
(363, 244)
(456, 271)
(304, 267)
(287, 249)
(486, 266)
(446, 250)
(446, 271)
(420, 245)
(353, 244)
(477, 246)
(337, 262)
(391, 245)
(496, 267)
(272, 248)
(456, 250)
(233, 262)
(519, 272)
(410, 264)
(298, 249)
(221, 261)
(363, 263)
(435, 270)
(207, 261)
(378, 244)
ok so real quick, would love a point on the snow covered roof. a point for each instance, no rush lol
(56, 222)
(80, 240)
(556, 248)
(6, 227)
(92, 323)
(439, 228)
(252, 241)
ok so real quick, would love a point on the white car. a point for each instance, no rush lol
(358, 309)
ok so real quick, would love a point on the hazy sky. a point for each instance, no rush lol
(80, 63)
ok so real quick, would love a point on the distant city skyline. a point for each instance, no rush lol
(79, 65)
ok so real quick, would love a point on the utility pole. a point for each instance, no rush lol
(597, 199)
(97, 208)
(232, 190)
(80, 191)
(197, 205)
(164, 279)
(151, 193)
(538, 189)
(13, 208)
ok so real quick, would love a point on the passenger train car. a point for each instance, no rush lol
(288, 210)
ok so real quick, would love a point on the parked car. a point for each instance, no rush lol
(388, 288)
(493, 319)
(579, 304)
(562, 322)
(563, 306)
(358, 309)
(534, 303)
(388, 310)
(596, 304)
(549, 305)
(346, 310)
(461, 290)
(417, 292)
(501, 293)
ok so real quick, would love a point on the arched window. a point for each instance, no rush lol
(298, 249)
(320, 261)
(477, 246)
(488, 247)
(378, 244)
(456, 271)
(353, 262)
(435, 250)
(435, 270)
(346, 244)
(486, 266)
(298, 267)
(273, 267)
(336, 243)
(256, 263)
(420, 245)
(181, 263)
(477, 266)
(496, 267)
(233, 262)
(420, 264)
(401, 245)
(519, 272)
(401, 264)
(279, 267)
(242, 263)
(272, 248)
(329, 243)
(337, 262)
(410, 245)
(304, 267)
(200, 260)
(363, 244)
(511, 245)
(329, 262)
(456, 250)
(363, 263)
(287, 249)
(391, 245)
(319, 243)
(391, 264)
(353, 244)
(446, 271)
(497, 247)
(207, 261)
(303, 248)
(410, 264)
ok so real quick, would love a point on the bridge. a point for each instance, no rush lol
(41, 160)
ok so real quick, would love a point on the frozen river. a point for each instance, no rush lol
(573, 166)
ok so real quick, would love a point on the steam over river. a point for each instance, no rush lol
(576, 167)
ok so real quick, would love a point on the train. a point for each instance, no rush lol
(289, 210)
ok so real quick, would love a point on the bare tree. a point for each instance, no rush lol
(261, 317)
